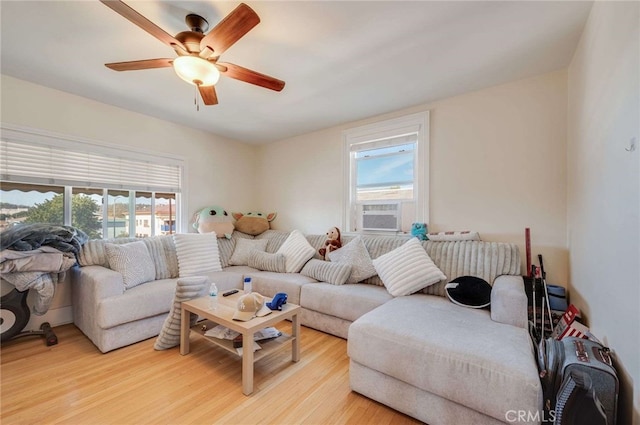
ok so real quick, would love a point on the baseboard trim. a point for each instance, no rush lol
(55, 317)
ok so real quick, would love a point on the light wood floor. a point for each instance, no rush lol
(73, 383)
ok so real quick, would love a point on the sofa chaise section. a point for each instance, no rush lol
(442, 363)
(332, 308)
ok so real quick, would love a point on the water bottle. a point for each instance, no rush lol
(213, 296)
(247, 285)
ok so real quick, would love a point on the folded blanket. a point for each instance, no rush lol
(44, 259)
(42, 283)
(33, 255)
(27, 237)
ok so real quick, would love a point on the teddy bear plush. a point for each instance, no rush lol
(332, 243)
(253, 223)
(213, 219)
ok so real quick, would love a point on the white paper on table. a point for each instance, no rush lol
(221, 332)
(266, 333)
(256, 347)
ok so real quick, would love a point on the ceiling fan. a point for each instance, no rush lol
(198, 53)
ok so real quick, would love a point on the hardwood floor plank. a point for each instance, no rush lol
(73, 383)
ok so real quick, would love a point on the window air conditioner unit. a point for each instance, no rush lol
(383, 216)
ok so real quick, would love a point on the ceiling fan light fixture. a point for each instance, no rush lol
(195, 70)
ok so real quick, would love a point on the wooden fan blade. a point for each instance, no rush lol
(142, 64)
(252, 77)
(208, 94)
(230, 29)
(133, 16)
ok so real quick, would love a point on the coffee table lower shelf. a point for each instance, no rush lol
(223, 315)
(269, 346)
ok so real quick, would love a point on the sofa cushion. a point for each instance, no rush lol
(355, 254)
(317, 242)
(324, 271)
(92, 253)
(163, 253)
(450, 351)
(243, 249)
(297, 251)
(161, 248)
(347, 302)
(269, 284)
(486, 260)
(407, 269)
(271, 262)
(137, 303)
(275, 237)
(197, 253)
(132, 261)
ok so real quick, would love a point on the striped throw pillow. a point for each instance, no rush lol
(197, 253)
(325, 271)
(266, 261)
(297, 251)
(407, 269)
(132, 261)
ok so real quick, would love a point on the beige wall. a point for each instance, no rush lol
(497, 161)
(604, 186)
(212, 162)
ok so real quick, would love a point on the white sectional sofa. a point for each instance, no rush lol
(420, 354)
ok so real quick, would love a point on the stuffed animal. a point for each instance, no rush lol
(213, 219)
(419, 230)
(332, 243)
(253, 223)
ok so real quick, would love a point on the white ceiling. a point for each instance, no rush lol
(342, 60)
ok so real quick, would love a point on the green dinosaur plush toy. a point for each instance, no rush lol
(213, 219)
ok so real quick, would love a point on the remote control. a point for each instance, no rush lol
(231, 292)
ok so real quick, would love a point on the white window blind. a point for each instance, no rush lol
(53, 164)
(384, 142)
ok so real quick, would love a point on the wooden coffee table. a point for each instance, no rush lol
(223, 315)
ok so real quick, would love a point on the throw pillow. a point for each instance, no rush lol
(356, 255)
(240, 256)
(186, 289)
(133, 261)
(407, 269)
(297, 251)
(268, 262)
(197, 253)
(324, 271)
(469, 291)
(162, 250)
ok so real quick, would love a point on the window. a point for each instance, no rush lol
(386, 175)
(104, 191)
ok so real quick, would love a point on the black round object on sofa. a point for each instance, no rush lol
(469, 291)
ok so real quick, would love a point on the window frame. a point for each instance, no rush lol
(386, 129)
(29, 136)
